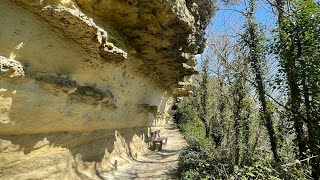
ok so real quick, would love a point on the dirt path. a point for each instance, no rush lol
(154, 164)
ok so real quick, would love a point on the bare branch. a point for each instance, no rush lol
(251, 82)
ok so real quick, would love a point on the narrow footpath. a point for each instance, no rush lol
(154, 164)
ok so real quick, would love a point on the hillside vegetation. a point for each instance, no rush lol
(255, 109)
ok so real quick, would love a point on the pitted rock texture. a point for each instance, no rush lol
(164, 34)
(82, 82)
(11, 67)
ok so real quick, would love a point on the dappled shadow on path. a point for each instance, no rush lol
(161, 164)
(163, 175)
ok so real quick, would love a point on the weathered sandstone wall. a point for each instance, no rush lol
(83, 81)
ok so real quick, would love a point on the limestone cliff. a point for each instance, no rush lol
(83, 81)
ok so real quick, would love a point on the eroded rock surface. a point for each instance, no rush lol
(83, 81)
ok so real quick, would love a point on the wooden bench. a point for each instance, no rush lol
(158, 141)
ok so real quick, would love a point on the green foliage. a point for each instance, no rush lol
(197, 163)
(192, 165)
(190, 124)
(267, 171)
(238, 143)
(301, 48)
(298, 47)
(201, 160)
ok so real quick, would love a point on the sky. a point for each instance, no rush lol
(228, 21)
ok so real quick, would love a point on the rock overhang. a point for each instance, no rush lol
(80, 87)
(159, 37)
(165, 34)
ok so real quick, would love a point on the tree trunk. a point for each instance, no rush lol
(204, 98)
(294, 92)
(215, 131)
(237, 98)
(207, 128)
(314, 149)
(246, 136)
(237, 132)
(266, 112)
(254, 61)
(311, 125)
